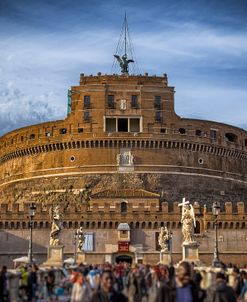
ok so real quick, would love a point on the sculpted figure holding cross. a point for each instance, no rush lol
(188, 221)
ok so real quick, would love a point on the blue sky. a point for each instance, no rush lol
(45, 45)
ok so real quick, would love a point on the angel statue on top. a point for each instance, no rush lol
(124, 63)
(188, 221)
(56, 217)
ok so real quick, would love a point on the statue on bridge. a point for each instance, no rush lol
(56, 217)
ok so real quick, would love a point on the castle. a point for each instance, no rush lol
(117, 166)
(121, 161)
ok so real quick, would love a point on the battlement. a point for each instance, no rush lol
(109, 216)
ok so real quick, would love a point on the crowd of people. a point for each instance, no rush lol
(123, 282)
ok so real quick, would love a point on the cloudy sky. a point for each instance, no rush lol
(45, 45)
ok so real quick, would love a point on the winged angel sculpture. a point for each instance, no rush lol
(124, 63)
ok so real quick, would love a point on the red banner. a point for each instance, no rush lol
(123, 246)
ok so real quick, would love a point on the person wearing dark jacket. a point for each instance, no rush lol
(220, 292)
(32, 283)
(106, 293)
(3, 284)
(185, 289)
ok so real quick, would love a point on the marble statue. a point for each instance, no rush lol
(188, 221)
(163, 239)
(81, 239)
(56, 217)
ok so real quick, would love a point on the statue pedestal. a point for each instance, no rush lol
(54, 256)
(80, 257)
(165, 258)
(190, 252)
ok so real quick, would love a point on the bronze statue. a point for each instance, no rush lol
(56, 217)
(124, 63)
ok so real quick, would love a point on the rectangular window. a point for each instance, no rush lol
(110, 125)
(87, 101)
(158, 116)
(63, 131)
(88, 245)
(134, 125)
(134, 101)
(86, 116)
(157, 102)
(80, 130)
(213, 134)
(163, 130)
(157, 246)
(122, 125)
(111, 102)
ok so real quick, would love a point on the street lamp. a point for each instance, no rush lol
(32, 208)
(216, 210)
(75, 245)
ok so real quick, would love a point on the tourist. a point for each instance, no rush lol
(3, 284)
(197, 278)
(106, 293)
(220, 291)
(24, 281)
(236, 282)
(32, 283)
(243, 293)
(185, 289)
(81, 291)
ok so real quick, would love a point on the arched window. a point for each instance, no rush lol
(123, 207)
(231, 137)
(197, 228)
(182, 130)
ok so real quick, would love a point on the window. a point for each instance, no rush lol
(213, 134)
(122, 125)
(48, 134)
(111, 102)
(197, 228)
(123, 207)
(157, 102)
(110, 125)
(134, 125)
(32, 136)
(158, 116)
(87, 101)
(231, 137)
(134, 101)
(63, 131)
(163, 130)
(245, 142)
(80, 130)
(182, 130)
(198, 132)
(86, 116)
(88, 245)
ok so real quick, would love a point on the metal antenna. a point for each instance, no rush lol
(125, 32)
(125, 54)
